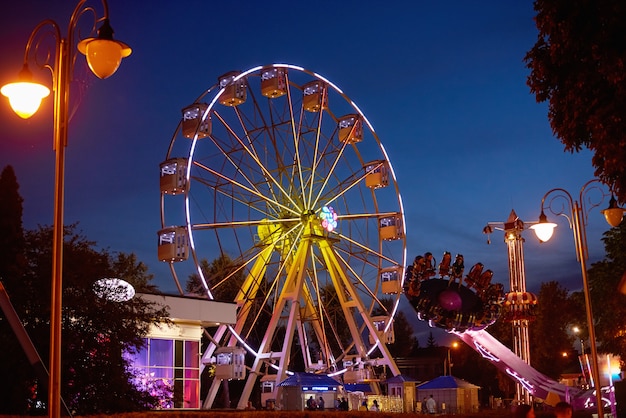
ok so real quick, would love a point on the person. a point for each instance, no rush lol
(363, 406)
(375, 406)
(424, 402)
(343, 405)
(524, 411)
(320, 404)
(311, 405)
(563, 410)
(431, 405)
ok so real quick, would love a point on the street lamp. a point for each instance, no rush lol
(577, 221)
(454, 345)
(103, 57)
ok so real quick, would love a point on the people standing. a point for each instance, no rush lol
(431, 405)
(375, 406)
(321, 404)
(311, 405)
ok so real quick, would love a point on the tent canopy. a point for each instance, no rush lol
(447, 382)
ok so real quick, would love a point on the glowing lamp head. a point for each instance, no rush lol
(543, 229)
(613, 214)
(24, 95)
(104, 54)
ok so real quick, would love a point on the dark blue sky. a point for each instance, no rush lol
(443, 84)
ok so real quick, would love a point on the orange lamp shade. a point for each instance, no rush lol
(25, 97)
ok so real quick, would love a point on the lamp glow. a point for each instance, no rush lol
(613, 214)
(104, 54)
(25, 97)
(543, 229)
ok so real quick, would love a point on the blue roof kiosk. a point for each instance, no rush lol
(298, 387)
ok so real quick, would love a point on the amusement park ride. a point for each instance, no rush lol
(276, 176)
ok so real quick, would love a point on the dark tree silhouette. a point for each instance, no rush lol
(578, 65)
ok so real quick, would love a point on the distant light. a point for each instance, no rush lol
(115, 290)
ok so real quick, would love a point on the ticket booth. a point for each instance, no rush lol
(377, 174)
(274, 82)
(230, 363)
(173, 178)
(351, 129)
(234, 91)
(386, 337)
(390, 278)
(314, 96)
(173, 244)
(193, 123)
(390, 227)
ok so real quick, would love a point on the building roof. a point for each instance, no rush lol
(358, 387)
(308, 379)
(195, 310)
(447, 382)
(401, 378)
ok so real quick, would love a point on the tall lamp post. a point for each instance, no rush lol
(103, 57)
(577, 219)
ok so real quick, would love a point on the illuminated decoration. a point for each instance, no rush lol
(522, 381)
(520, 306)
(444, 301)
(329, 218)
(486, 353)
(115, 290)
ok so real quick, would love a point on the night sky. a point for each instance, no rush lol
(443, 83)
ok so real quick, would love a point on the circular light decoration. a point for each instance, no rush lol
(329, 218)
(115, 290)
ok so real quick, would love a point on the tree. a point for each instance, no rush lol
(96, 331)
(609, 306)
(578, 65)
(431, 342)
(550, 333)
(11, 231)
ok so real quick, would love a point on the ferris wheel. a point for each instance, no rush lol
(279, 193)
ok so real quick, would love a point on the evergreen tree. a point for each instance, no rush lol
(12, 261)
(431, 341)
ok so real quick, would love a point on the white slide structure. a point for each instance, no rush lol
(538, 384)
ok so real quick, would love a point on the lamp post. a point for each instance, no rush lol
(103, 57)
(581, 358)
(577, 221)
(449, 360)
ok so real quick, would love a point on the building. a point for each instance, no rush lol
(169, 365)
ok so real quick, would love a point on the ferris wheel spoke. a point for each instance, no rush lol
(249, 190)
(328, 176)
(252, 153)
(351, 183)
(367, 249)
(318, 135)
(231, 197)
(296, 131)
